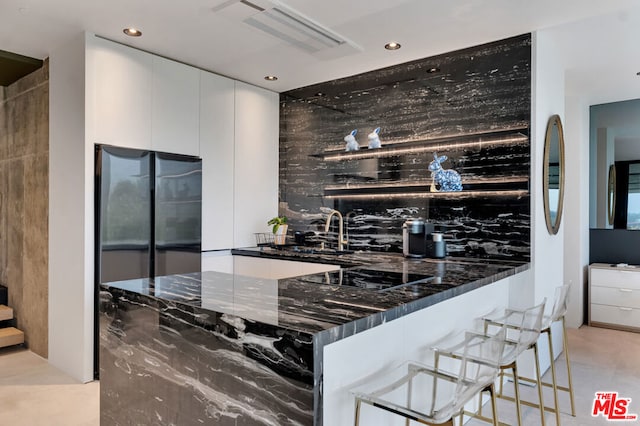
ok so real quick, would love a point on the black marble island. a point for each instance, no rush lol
(215, 348)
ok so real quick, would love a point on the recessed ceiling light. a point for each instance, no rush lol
(132, 32)
(433, 70)
(320, 94)
(392, 46)
(270, 77)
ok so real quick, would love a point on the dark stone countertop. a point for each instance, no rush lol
(320, 307)
(371, 288)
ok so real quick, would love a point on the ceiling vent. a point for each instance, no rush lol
(288, 25)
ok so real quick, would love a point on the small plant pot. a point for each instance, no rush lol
(280, 236)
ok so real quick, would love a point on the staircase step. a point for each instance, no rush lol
(10, 336)
(6, 313)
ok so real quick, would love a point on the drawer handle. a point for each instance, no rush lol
(626, 309)
(625, 290)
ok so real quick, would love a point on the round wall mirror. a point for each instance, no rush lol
(553, 174)
(611, 194)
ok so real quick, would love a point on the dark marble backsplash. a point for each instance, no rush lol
(475, 110)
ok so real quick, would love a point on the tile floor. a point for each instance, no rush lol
(33, 393)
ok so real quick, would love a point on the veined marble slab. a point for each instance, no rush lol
(214, 348)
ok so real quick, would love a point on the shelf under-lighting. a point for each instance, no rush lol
(425, 183)
(511, 136)
(505, 186)
(449, 195)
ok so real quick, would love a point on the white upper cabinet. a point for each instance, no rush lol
(216, 150)
(256, 162)
(138, 100)
(118, 95)
(174, 107)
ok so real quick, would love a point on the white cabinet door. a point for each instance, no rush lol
(616, 316)
(625, 297)
(216, 150)
(256, 162)
(175, 104)
(616, 278)
(217, 261)
(118, 94)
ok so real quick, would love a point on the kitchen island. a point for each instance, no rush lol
(216, 348)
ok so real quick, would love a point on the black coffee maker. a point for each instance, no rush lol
(419, 239)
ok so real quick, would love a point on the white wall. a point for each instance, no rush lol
(547, 251)
(70, 216)
(547, 100)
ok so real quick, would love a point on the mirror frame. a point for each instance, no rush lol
(611, 194)
(554, 120)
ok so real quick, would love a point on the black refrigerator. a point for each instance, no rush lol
(147, 216)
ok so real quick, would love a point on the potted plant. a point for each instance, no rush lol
(279, 228)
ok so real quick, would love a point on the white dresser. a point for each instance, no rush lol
(614, 296)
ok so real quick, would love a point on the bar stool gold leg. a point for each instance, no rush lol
(516, 387)
(539, 383)
(357, 420)
(407, 421)
(435, 385)
(553, 377)
(566, 356)
(494, 405)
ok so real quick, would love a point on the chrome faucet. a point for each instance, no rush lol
(341, 240)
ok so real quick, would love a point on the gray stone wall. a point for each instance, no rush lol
(24, 203)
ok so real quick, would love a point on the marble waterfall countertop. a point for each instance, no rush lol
(193, 347)
(321, 302)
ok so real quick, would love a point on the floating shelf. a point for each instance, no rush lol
(459, 195)
(510, 136)
(501, 186)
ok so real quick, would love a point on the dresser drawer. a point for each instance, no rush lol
(615, 296)
(629, 317)
(621, 278)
